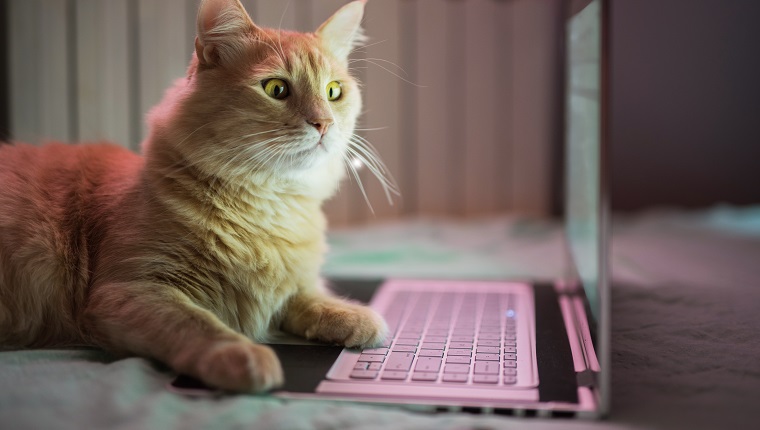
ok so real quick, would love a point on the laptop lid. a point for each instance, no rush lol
(586, 188)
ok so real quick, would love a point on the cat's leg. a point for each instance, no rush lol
(317, 314)
(162, 323)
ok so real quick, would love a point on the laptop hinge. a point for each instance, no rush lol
(587, 378)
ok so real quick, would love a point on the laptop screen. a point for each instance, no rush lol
(586, 197)
(583, 142)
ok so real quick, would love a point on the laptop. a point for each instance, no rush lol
(503, 347)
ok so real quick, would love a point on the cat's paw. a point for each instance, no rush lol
(240, 365)
(348, 325)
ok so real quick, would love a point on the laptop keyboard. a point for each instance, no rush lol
(455, 338)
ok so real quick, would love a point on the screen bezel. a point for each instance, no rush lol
(600, 327)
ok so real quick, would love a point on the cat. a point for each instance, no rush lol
(213, 238)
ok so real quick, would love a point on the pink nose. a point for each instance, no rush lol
(321, 124)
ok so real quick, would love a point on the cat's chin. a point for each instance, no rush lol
(315, 156)
(316, 175)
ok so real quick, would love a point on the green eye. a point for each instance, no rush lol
(276, 88)
(333, 91)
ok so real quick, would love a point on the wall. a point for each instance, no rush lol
(685, 103)
(460, 95)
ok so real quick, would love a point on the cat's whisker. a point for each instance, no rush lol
(360, 49)
(279, 27)
(385, 181)
(352, 169)
(373, 161)
(252, 152)
(272, 47)
(371, 129)
(192, 133)
(187, 163)
(387, 190)
(388, 187)
(366, 148)
(259, 40)
(367, 159)
(372, 59)
(263, 158)
(391, 72)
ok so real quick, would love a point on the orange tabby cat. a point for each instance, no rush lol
(215, 236)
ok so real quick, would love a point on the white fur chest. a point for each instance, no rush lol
(264, 256)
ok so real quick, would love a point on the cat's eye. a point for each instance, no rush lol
(334, 91)
(276, 88)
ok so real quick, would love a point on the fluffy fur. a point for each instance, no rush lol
(197, 250)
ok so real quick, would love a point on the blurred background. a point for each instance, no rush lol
(463, 98)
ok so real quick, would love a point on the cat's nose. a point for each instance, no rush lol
(321, 124)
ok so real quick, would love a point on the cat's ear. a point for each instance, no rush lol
(223, 26)
(342, 31)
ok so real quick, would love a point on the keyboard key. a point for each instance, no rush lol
(510, 343)
(510, 371)
(427, 364)
(458, 359)
(372, 357)
(394, 375)
(460, 338)
(510, 356)
(494, 329)
(510, 363)
(454, 377)
(404, 348)
(382, 351)
(461, 345)
(407, 341)
(456, 368)
(424, 376)
(441, 339)
(488, 349)
(464, 352)
(510, 349)
(438, 332)
(431, 353)
(433, 345)
(363, 374)
(510, 379)
(510, 337)
(493, 336)
(488, 342)
(375, 366)
(487, 367)
(485, 379)
(467, 332)
(487, 357)
(362, 365)
(399, 361)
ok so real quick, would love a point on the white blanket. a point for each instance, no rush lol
(686, 351)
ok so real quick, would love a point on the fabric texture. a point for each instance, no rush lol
(684, 335)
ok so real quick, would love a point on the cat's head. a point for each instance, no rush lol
(269, 101)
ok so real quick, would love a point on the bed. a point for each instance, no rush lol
(686, 350)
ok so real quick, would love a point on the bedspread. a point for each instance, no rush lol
(686, 349)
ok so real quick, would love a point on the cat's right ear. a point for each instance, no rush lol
(223, 26)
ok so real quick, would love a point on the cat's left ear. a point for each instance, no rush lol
(342, 31)
(223, 26)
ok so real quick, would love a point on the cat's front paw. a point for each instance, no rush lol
(240, 365)
(348, 325)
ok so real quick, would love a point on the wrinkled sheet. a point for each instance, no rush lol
(686, 349)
